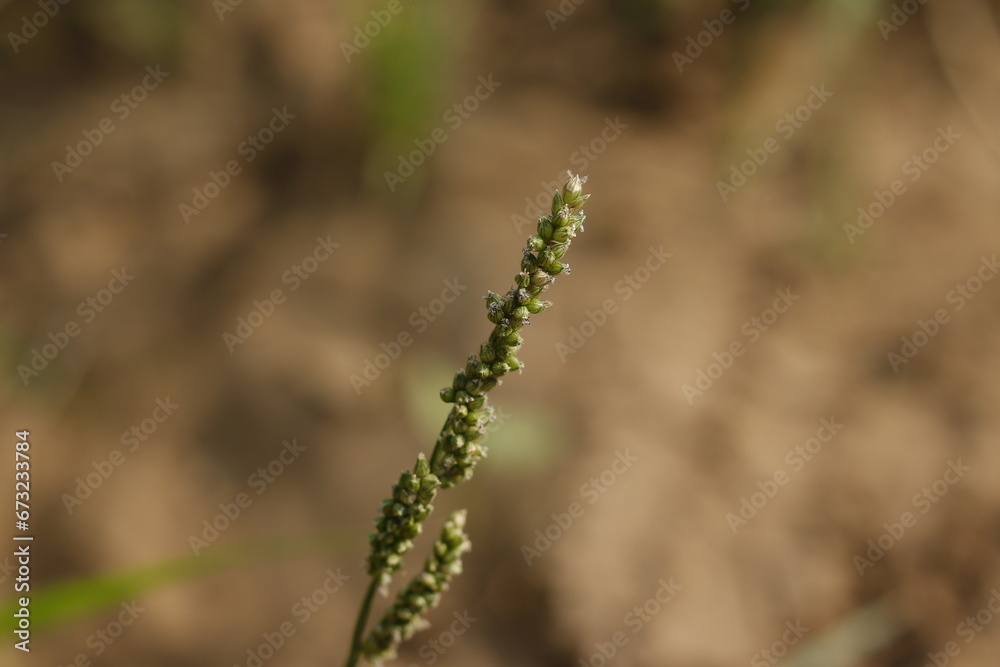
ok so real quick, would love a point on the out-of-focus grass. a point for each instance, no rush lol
(406, 76)
(66, 601)
(828, 35)
(144, 29)
(863, 632)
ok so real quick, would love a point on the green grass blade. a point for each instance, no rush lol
(65, 601)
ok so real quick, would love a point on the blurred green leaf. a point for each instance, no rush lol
(522, 439)
(66, 601)
(528, 441)
(408, 70)
(862, 632)
(145, 29)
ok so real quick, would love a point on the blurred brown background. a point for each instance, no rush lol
(228, 160)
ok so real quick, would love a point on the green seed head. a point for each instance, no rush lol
(458, 450)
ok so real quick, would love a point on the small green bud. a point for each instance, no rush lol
(528, 263)
(573, 191)
(487, 353)
(407, 484)
(452, 568)
(459, 382)
(536, 243)
(513, 339)
(520, 313)
(561, 218)
(522, 279)
(428, 485)
(422, 468)
(494, 307)
(489, 384)
(536, 306)
(562, 234)
(499, 368)
(477, 403)
(460, 410)
(448, 395)
(558, 202)
(427, 579)
(545, 229)
(557, 251)
(540, 278)
(462, 396)
(554, 267)
(514, 363)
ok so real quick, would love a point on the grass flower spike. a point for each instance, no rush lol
(424, 591)
(458, 447)
(456, 452)
(402, 515)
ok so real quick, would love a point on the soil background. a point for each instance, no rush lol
(837, 161)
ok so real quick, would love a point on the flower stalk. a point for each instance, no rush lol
(405, 616)
(458, 447)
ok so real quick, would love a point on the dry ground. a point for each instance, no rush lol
(618, 395)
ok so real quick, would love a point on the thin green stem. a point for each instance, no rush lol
(359, 625)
